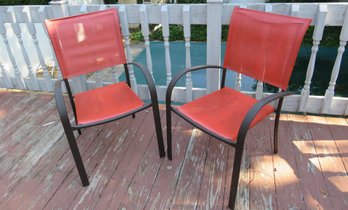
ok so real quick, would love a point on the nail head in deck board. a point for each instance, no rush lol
(312, 179)
(262, 188)
(71, 186)
(186, 193)
(168, 175)
(119, 165)
(287, 178)
(330, 162)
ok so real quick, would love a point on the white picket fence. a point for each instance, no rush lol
(24, 46)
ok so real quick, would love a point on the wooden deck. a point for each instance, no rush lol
(121, 158)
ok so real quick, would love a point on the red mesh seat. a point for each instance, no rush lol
(222, 112)
(106, 102)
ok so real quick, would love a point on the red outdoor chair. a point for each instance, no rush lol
(260, 45)
(88, 43)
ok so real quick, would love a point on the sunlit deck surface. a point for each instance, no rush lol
(121, 158)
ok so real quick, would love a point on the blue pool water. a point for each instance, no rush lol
(324, 64)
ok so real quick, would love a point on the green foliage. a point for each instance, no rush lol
(303, 1)
(24, 2)
(191, 1)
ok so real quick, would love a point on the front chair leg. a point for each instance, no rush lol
(235, 176)
(169, 132)
(157, 119)
(77, 158)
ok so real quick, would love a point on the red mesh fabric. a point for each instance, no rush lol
(86, 43)
(264, 45)
(105, 102)
(223, 111)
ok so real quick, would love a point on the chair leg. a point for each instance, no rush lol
(275, 137)
(79, 131)
(235, 176)
(77, 158)
(157, 119)
(133, 116)
(169, 132)
(276, 123)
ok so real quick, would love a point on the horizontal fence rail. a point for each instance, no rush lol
(27, 60)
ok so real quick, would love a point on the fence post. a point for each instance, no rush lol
(214, 19)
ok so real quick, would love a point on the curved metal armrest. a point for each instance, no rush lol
(149, 81)
(254, 111)
(182, 73)
(58, 95)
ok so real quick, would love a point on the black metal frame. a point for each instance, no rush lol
(69, 128)
(239, 144)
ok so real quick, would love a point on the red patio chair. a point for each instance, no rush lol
(88, 43)
(260, 45)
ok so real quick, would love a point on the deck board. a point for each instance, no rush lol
(121, 158)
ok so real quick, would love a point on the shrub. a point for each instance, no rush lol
(23, 2)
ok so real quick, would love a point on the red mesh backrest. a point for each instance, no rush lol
(264, 45)
(86, 43)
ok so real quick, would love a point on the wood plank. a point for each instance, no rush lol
(243, 194)
(21, 141)
(262, 187)
(118, 167)
(47, 138)
(168, 176)
(113, 134)
(311, 177)
(287, 178)
(186, 193)
(146, 174)
(211, 194)
(339, 131)
(330, 162)
(38, 186)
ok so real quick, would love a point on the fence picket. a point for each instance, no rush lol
(187, 35)
(317, 36)
(32, 30)
(330, 92)
(146, 33)
(125, 34)
(165, 32)
(18, 81)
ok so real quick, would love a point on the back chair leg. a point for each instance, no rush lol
(77, 157)
(235, 176)
(169, 132)
(133, 116)
(79, 131)
(275, 137)
(276, 123)
(157, 119)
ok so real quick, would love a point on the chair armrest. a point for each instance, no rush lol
(149, 81)
(254, 110)
(182, 73)
(58, 95)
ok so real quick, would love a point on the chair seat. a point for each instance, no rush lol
(222, 112)
(105, 103)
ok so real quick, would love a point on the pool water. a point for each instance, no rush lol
(320, 81)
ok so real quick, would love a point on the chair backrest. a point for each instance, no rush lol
(87, 43)
(264, 45)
